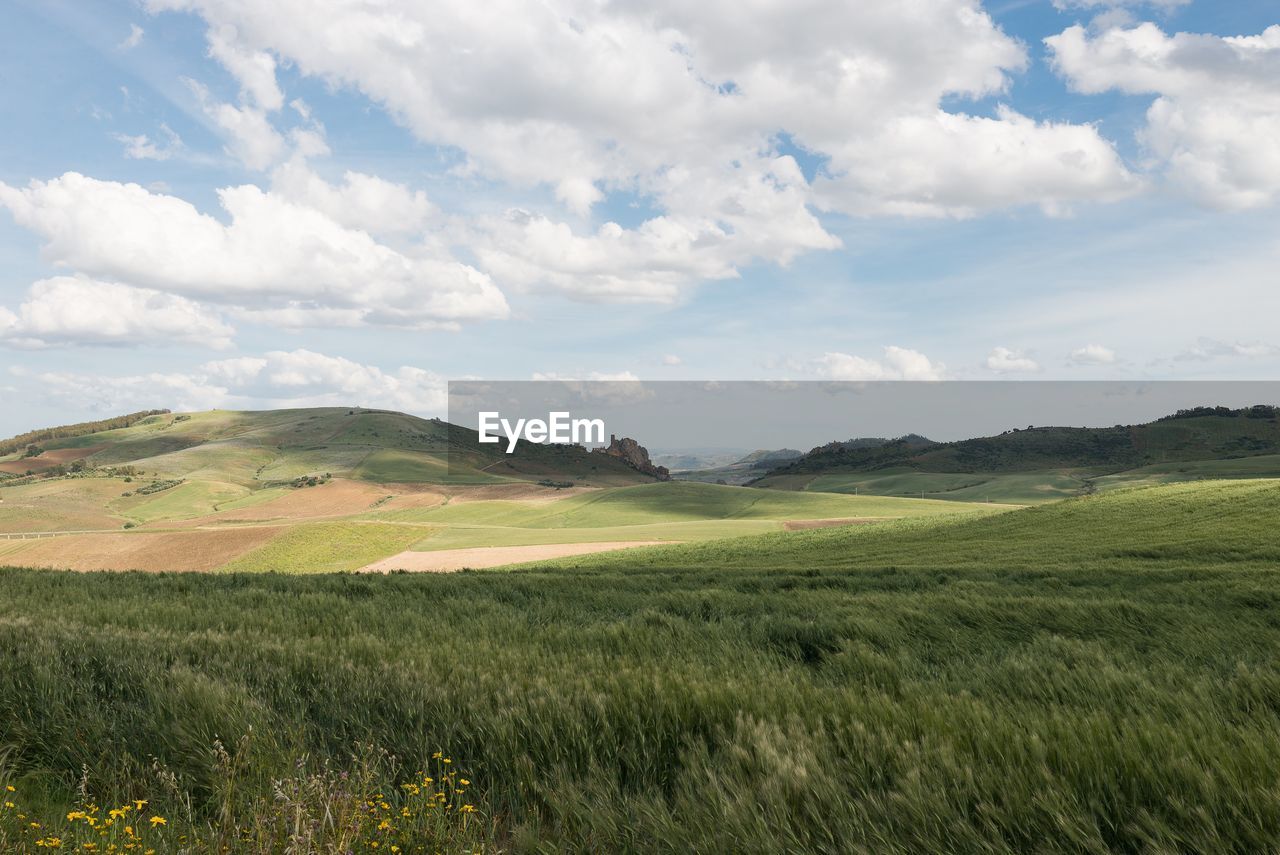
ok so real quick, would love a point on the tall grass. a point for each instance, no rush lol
(1096, 676)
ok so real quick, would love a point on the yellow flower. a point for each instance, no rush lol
(9, 789)
(158, 820)
(10, 805)
(464, 782)
(139, 804)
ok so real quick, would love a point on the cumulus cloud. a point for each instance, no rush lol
(1093, 354)
(273, 255)
(689, 106)
(1006, 361)
(80, 310)
(364, 202)
(1214, 126)
(897, 363)
(671, 359)
(298, 378)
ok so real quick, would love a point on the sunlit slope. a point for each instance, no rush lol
(666, 511)
(1178, 526)
(255, 449)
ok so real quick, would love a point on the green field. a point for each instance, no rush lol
(328, 548)
(682, 511)
(1095, 675)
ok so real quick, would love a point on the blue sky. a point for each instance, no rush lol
(848, 194)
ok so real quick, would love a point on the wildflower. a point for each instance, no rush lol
(9, 789)
(158, 820)
(468, 808)
(464, 782)
(10, 805)
(139, 804)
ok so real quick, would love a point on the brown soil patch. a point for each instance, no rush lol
(185, 551)
(448, 560)
(802, 525)
(49, 459)
(338, 498)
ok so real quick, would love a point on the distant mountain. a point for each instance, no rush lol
(767, 458)
(742, 470)
(1203, 433)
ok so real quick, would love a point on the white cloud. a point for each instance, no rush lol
(1161, 5)
(946, 164)
(299, 378)
(364, 202)
(1215, 125)
(690, 106)
(273, 255)
(307, 378)
(587, 377)
(1207, 349)
(898, 363)
(254, 70)
(1006, 361)
(120, 394)
(143, 147)
(251, 138)
(78, 310)
(1093, 354)
(134, 38)
(671, 359)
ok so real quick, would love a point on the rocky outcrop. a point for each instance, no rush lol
(634, 455)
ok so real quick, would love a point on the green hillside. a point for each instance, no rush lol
(1095, 675)
(258, 449)
(1039, 464)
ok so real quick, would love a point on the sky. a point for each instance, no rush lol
(235, 204)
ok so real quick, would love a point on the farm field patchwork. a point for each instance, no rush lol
(1098, 673)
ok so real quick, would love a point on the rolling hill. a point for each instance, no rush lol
(341, 489)
(1039, 464)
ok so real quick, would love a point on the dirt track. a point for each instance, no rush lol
(449, 560)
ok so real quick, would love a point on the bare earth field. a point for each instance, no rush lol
(449, 560)
(184, 551)
(48, 459)
(338, 498)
